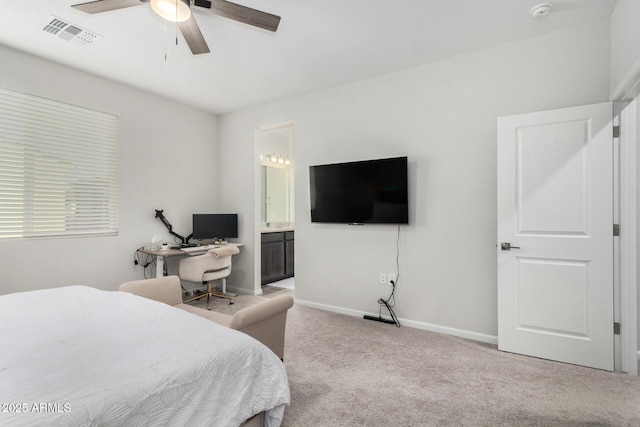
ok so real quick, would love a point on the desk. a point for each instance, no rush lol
(161, 254)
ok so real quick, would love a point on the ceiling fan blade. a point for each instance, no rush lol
(192, 35)
(99, 6)
(241, 13)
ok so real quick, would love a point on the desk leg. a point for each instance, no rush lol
(159, 266)
(224, 288)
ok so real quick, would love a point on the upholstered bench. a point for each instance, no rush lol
(264, 321)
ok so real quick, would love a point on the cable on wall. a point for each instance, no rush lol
(148, 261)
(390, 302)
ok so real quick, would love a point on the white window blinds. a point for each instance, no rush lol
(58, 169)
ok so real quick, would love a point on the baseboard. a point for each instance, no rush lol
(242, 291)
(476, 336)
(489, 339)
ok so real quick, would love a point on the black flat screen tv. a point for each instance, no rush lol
(363, 192)
(215, 226)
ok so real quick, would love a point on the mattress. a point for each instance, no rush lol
(78, 356)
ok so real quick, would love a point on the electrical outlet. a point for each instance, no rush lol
(391, 277)
(383, 278)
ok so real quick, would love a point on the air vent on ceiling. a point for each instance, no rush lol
(68, 31)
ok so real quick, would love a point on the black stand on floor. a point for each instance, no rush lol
(379, 319)
(385, 302)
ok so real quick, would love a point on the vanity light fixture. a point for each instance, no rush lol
(277, 159)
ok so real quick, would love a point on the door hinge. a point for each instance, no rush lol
(616, 328)
(616, 131)
(616, 229)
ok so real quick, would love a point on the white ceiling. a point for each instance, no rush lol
(319, 44)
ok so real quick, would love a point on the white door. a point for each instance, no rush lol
(555, 210)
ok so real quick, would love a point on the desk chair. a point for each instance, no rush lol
(206, 268)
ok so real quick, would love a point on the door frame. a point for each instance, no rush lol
(257, 227)
(626, 116)
(626, 98)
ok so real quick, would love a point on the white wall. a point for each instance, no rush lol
(625, 48)
(167, 153)
(441, 115)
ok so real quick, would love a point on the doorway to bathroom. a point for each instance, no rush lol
(275, 216)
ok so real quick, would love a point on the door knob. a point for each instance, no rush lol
(506, 246)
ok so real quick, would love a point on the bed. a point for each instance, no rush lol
(78, 356)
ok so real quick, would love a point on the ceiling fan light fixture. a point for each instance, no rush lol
(172, 10)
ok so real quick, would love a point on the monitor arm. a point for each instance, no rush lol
(170, 227)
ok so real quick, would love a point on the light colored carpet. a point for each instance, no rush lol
(346, 371)
(284, 283)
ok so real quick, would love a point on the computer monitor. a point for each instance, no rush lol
(215, 226)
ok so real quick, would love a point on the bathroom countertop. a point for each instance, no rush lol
(277, 229)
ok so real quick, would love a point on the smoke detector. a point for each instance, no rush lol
(540, 10)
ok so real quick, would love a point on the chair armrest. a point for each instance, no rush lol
(163, 289)
(265, 322)
(259, 312)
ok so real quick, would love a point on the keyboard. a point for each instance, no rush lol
(198, 248)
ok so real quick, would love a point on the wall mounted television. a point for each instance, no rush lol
(362, 192)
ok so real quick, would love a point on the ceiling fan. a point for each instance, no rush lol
(179, 11)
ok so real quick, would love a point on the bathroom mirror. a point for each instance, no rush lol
(275, 194)
(275, 151)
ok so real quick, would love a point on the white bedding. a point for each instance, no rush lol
(77, 356)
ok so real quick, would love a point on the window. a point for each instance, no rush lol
(58, 169)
